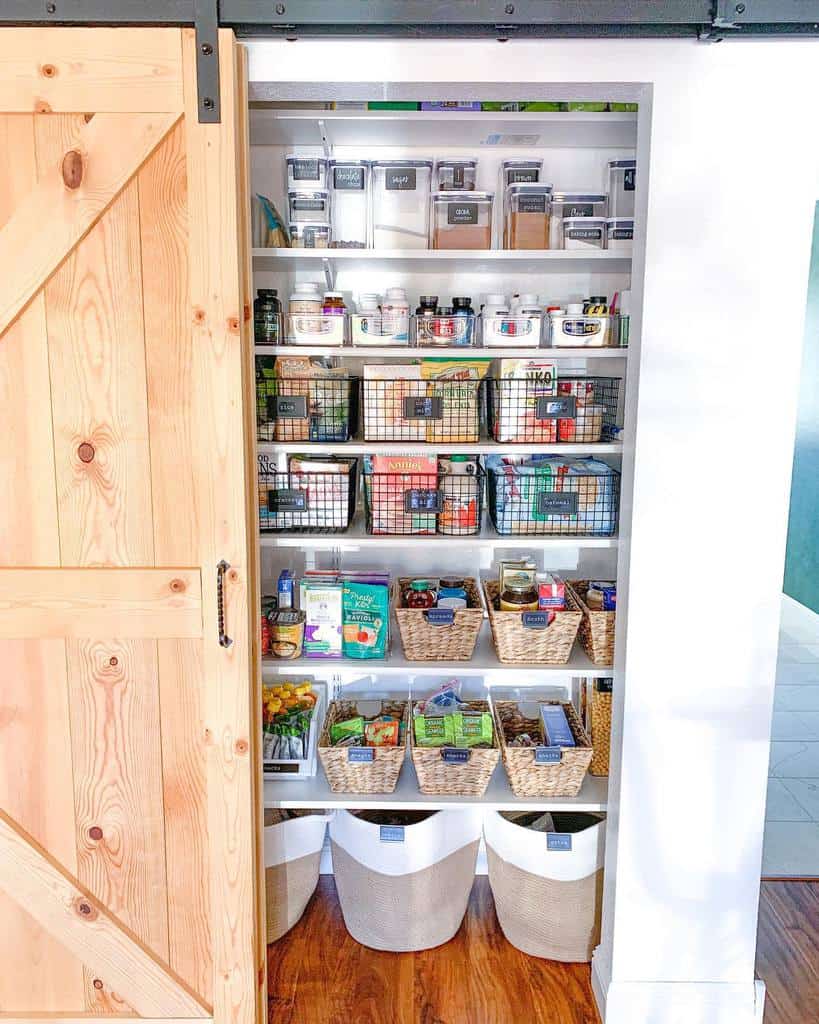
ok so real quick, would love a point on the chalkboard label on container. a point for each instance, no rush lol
(287, 407)
(348, 179)
(308, 204)
(536, 620)
(420, 499)
(401, 179)
(523, 174)
(531, 204)
(550, 407)
(462, 213)
(604, 685)
(557, 503)
(585, 234)
(360, 755)
(578, 209)
(621, 234)
(391, 833)
(629, 179)
(440, 616)
(420, 408)
(286, 499)
(548, 755)
(305, 170)
(559, 842)
(456, 755)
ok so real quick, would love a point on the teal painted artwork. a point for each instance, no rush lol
(802, 558)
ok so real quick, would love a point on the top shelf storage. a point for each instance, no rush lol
(277, 127)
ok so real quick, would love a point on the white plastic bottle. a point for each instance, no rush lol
(367, 322)
(304, 320)
(395, 311)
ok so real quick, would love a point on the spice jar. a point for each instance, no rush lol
(519, 594)
(266, 313)
(527, 214)
(456, 175)
(584, 233)
(462, 220)
(420, 595)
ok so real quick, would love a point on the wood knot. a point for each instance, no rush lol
(72, 169)
(95, 832)
(41, 107)
(246, 311)
(97, 984)
(113, 662)
(233, 575)
(87, 118)
(48, 70)
(177, 586)
(84, 909)
(86, 452)
(242, 746)
(233, 324)
(199, 316)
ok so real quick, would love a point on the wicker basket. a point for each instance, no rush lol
(379, 775)
(526, 776)
(596, 629)
(600, 726)
(440, 777)
(425, 641)
(518, 645)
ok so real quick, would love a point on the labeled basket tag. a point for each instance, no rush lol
(360, 755)
(287, 407)
(391, 834)
(560, 407)
(557, 503)
(440, 616)
(422, 500)
(537, 620)
(286, 499)
(548, 755)
(559, 842)
(272, 768)
(420, 407)
(456, 755)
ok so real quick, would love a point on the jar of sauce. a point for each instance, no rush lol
(420, 595)
(519, 595)
(452, 592)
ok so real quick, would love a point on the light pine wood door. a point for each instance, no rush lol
(129, 782)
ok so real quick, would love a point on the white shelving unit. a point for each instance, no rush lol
(417, 352)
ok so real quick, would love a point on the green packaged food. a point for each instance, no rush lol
(434, 730)
(595, 107)
(472, 728)
(341, 730)
(365, 618)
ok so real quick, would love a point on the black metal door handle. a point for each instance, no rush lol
(221, 569)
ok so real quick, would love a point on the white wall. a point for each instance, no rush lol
(734, 162)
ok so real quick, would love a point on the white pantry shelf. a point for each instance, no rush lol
(448, 352)
(483, 662)
(280, 791)
(430, 448)
(431, 260)
(483, 128)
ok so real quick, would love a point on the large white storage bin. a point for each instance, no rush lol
(405, 888)
(548, 886)
(292, 854)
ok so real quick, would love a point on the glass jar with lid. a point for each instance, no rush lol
(519, 594)
(420, 594)
(527, 215)
(458, 174)
(462, 220)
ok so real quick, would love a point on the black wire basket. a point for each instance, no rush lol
(408, 504)
(436, 411)
(308, 409)
(578, 410)
(307, 501)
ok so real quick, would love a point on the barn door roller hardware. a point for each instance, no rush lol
(206, 23)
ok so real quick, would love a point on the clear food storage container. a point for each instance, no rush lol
(306, 171)
(313, 329)
(447, 329)
(375, 328)
(310, 235)
(307, 205)
(514, 172)
(622, 179)
(462, 220)
(458, 174)
(574, 329)
(350, 194)
(620, 234)
(400, 205)
(586, 233)
(512, 331)
(526, 216)
(575, 204)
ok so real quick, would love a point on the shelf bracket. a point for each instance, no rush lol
(329, 274)
(208, 94)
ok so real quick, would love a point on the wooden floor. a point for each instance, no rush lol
(319, 975)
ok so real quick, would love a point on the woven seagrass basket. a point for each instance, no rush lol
(440, 776)
(526, 776)
(597, 628)
(426, 641)
(517, 644)
(379, 775)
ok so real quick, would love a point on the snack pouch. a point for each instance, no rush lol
(341, 730)
(471, 728)
(434, 730)
(365, 614)
(383, 732)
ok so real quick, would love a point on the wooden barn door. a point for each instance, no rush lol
(129, 792)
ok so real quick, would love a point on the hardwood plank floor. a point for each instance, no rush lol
(319, 975)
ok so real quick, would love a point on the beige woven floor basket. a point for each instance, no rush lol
(518, 645)
(424, 641)
(379, 775)
(289, 884)
(597, 628)
(440, 775)
(600, 704)
(526, 776)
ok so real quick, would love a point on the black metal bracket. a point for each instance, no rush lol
(206, 23)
